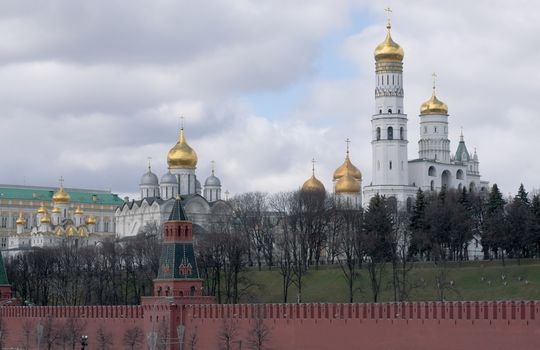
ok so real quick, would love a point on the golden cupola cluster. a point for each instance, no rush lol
(433, 106)
(313, 184)
(389, 50)
(42, 209)
(45, 219)
(182, 155)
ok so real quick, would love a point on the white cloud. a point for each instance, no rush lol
(89, 90)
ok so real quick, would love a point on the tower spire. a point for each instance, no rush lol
(388, 13)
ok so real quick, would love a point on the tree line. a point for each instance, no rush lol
(292, 233)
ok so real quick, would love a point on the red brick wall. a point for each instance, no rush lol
(430, 325)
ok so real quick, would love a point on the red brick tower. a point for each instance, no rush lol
(177, 284)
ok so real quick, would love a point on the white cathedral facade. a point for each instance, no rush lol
(393, 174)
(157, 197)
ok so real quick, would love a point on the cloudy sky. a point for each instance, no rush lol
(90, 89)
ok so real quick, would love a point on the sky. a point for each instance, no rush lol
(90, 89)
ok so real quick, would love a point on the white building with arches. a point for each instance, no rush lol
(157, 197)
(393, 174)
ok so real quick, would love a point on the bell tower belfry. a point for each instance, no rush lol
(390, 175)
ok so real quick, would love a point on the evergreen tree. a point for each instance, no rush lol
(535, 230)
(494, 228)
(419, 243)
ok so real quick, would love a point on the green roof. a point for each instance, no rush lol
(462, 154)
(45, 194)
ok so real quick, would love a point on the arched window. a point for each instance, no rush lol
(432, 171)
(378, 134)
(393, 80)
(401, 133)
(459, 174)
(378, 165)
(192, 291)
(432, 185)
(389, 111)
(446, 178)
(390, 165)
(380, 111)
(390, 133)
(399, 111)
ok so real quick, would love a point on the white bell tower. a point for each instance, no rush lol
(390, 175)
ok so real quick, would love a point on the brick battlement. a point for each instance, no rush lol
(473, 310)
(90, 312)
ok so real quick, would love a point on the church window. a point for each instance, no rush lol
(432, 185)
(390, 133)
(378, 134)
(393, 80)
(380, 111)
(401, 133)
(435, 129)
(378, 165)
(390, 165)
(432, 171)
(390, 111)
(425, 129)
(459, 174)
(435, 156)
(387, 80)
(399, 111)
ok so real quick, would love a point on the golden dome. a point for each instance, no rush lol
(91, 220)
(433, 106)
(61, 196)
(181, 155)
(42, 209)
(349, 167)
(20, 220)
(79, 211)
(347, 184)
(56, 210)
(45, 219)
(313, 185)
(389, 50)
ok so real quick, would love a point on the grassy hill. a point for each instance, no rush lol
(471, 281)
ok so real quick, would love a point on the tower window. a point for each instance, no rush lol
(378, 134)
(378, 165)
(390, 133)
(390, 111)
(399, 111)
(387, 80)
(393, 80)
(435, 129)
(390, 165)
(425, 129)
(380, 111)
(401, 133)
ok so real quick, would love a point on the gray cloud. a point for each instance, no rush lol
(89, 90)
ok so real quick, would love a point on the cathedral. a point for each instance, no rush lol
(158, 197)
(393, 174)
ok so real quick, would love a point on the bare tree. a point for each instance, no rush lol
(133, 338)
(51, 333)
(227, 334)
(259, 335)
(104, 339)
(3, 330)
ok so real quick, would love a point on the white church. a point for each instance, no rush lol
(157, 197)
(393, 174)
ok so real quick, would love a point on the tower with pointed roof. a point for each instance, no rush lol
(390, 176)
(178, 274)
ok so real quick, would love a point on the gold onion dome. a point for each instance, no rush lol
(433, 106)
(56, 210)
(45, 220)
(313, 185)
(349, 167)
(347, 184)
(78, 210)
(91, 220)
(42, 209)
(389, 50)
(61, 196)
(182, 155)
(20, 220)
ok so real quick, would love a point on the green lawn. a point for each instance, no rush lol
(473, 281)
